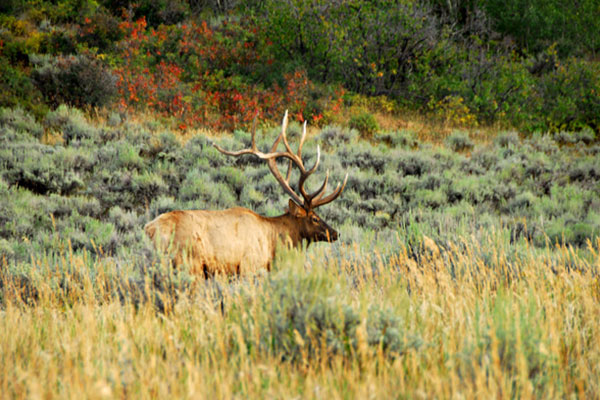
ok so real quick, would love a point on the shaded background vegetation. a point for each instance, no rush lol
(531, 65)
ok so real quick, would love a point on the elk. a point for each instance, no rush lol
(237, 240)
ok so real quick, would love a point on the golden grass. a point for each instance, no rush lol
(495, 322)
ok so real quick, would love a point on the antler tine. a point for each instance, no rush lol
(302, 140)
(252, 150)
(254, 131)
(303, 176)
(331, 197)
(272, 162)
(321, 191)
(236, 153)
(284, 126)
(314, 168)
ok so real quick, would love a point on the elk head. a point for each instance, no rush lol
(301, 210)
(310, 225)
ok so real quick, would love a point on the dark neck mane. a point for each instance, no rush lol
(287, 226)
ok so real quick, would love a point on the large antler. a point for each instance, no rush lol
(311, 200)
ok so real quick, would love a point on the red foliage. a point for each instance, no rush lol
(199, 75)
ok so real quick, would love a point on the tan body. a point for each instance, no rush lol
(233, 241)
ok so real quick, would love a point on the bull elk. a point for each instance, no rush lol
(238, 240)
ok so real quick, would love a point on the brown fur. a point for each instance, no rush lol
(233, 241)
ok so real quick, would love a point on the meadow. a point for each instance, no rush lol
(466, 267)
(469, 252)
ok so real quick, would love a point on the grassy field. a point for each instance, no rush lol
(464, 269)
(356, 325)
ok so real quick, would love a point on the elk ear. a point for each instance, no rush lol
(295, 209)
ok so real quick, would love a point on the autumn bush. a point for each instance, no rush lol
(100, 30)
(568, 96)
(217, 77)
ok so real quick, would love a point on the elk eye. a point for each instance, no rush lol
(315, 219)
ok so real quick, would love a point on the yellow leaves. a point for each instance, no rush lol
(20, 27)
(375, 103)
(32, 43)
(453, 111)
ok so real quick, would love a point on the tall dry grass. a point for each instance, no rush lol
(476, 319)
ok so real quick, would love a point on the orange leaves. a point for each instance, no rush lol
(135, 30)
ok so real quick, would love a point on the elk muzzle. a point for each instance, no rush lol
(333, 235)
(326, 234)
